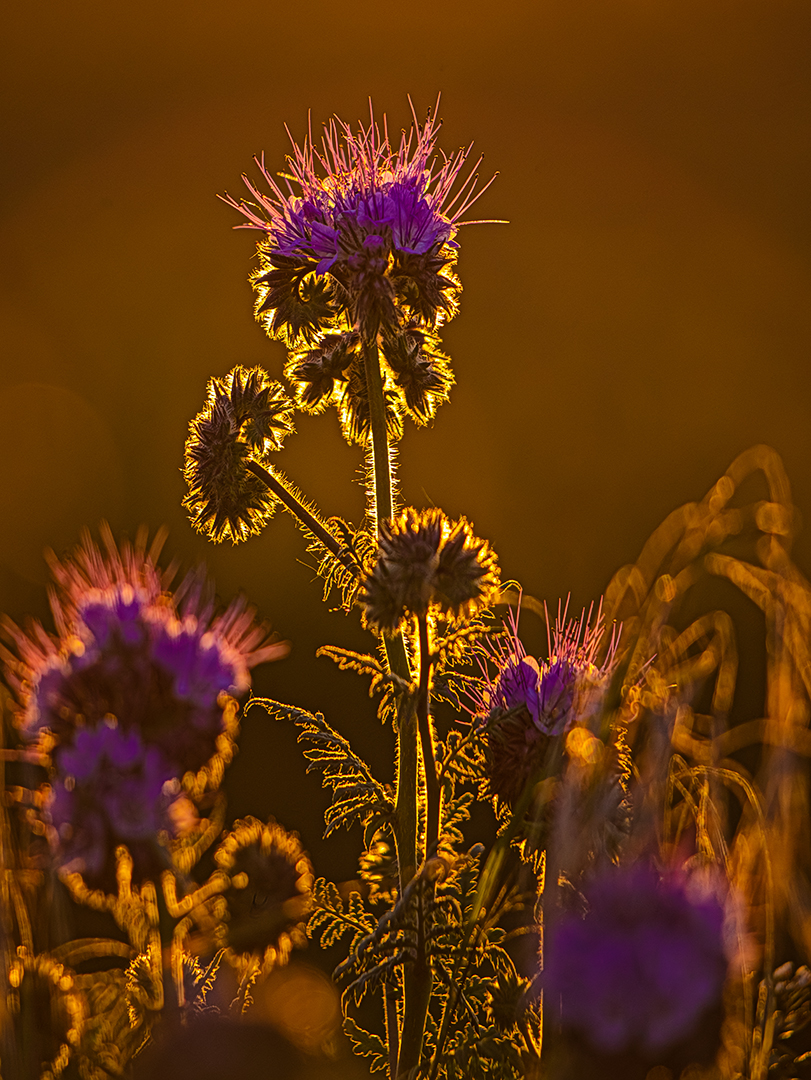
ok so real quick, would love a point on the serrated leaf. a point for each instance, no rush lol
(455, 812)
(462, 758)
(381, 678)
(329, 921)
(367, 1044)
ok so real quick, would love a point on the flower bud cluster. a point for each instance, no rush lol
(269, 896)
(245, 417)
(364, 253)
(426, 561)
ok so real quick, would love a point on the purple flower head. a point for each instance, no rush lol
(355, 185)
(109, 788)
(527, 702)
(129, 652)
(358, 240)
(644, 966)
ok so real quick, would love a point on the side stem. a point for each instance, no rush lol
(433, 794)
(305, 516)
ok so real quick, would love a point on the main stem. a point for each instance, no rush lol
(381, 462)
(405, 809)
(419, 982)
(432, 790)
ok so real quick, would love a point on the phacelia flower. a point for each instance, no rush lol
(108, 788)
(425, 561)
(528, 702)
(359, 244)
(271, 880)
(643, 968)
(137, 683)
(244, 418)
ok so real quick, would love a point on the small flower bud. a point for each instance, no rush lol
(245, 417)
(271, 880)
(423, 561)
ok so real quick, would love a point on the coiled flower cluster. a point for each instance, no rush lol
(270, 890)
(426, 561)
(363, 253)
(132, 694)
(245, 417)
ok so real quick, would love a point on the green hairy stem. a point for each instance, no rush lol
(417, 982)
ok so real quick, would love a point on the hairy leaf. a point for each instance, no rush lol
(380, 676)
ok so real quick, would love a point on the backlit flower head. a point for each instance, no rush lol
(426, 561)
(128, 653)
(529, 701)
(271, 879)
(644, 966)
(359, 245)
(245, 417)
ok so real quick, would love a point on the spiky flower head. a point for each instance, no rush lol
(527, 702)
(245, 417)
(425, 561)
(271, 880)
(359, 244)
(136, 683)
(645, 965)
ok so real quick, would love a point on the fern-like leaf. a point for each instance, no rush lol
(357, 797)
(331, 920)
(360, 545)
(455, 812)
(461, 759)
(367, 1044)
(365, 664)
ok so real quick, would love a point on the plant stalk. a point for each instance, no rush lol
(405, 811)
(416, 989)
(305, 516)
(381, 463)
(433, 794)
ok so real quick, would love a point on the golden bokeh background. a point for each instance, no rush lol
(642, 319)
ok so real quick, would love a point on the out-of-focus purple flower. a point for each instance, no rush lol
(108, 788)
(527, 701)
(645, 965)
(158, 665)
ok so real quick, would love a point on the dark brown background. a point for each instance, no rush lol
(642, 319)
